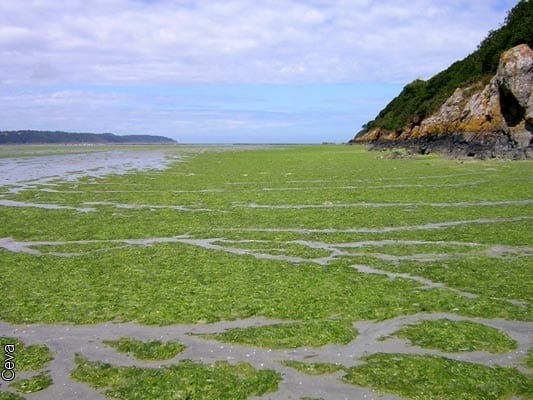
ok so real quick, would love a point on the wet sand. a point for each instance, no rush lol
(25, 172)
(67, 340)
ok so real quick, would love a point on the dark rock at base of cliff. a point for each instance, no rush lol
(481, 145)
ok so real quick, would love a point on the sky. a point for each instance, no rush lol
(216, 71)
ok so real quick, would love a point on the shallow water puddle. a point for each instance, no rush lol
(23, 172)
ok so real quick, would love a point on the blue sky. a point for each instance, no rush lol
(224, 71)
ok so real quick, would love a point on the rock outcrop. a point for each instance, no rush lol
(483, 120)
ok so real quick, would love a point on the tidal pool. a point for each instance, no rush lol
(24, 171)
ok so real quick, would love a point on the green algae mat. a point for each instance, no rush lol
(270, 255)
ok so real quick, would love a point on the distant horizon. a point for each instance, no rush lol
(177, 142)
(232, 72)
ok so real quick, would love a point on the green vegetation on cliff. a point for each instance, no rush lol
(420, 98)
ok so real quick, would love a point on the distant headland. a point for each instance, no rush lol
(60, 137)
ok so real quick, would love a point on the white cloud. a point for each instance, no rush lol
(172, 41)
(162, 66)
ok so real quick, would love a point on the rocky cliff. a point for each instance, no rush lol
(486, 119)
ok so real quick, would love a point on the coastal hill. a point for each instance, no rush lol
(58, 137)
(481, 106)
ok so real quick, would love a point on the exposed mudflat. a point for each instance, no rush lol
(20, 173)
(44, 175)
(428, 226)
(336, 250)
(379, 205)
(67, 340)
